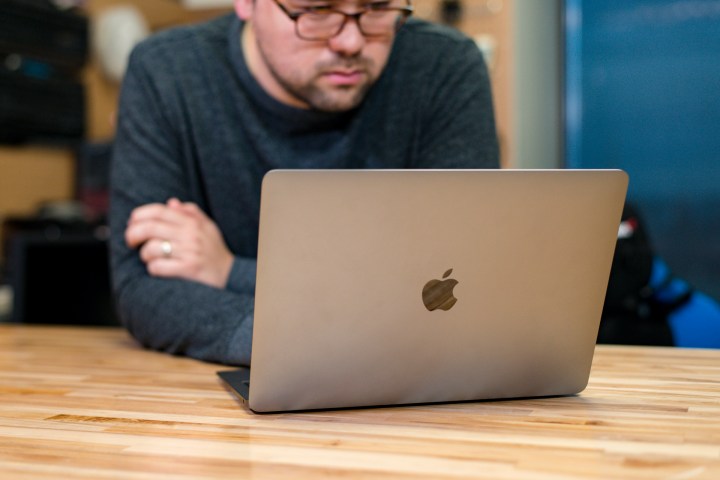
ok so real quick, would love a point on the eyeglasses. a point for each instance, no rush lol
(377, 19)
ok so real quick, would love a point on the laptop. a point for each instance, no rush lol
(393, 287)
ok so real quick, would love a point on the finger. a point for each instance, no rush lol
(188, 208)
(150, 210)
(164, 267)
(156, 249)
(155, 212)
(138, 233)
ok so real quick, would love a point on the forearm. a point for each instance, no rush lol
(168, 314)
(242, 276)
(183, 317)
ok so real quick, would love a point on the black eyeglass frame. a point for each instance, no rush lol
(403, 14)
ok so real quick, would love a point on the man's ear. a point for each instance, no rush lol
(244, 8)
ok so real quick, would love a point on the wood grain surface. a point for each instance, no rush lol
(90, 403)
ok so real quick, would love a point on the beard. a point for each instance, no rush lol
(324, 97)
(328, 99)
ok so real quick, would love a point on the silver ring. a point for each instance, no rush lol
(166, 248)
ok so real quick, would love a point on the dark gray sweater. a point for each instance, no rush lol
(194, 124)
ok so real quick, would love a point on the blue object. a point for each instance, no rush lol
(696, 322)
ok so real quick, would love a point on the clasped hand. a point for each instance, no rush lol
(177, 240)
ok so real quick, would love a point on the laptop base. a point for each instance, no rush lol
(238, 380)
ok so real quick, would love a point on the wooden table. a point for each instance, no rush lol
(89, 403)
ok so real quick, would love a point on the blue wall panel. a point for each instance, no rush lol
(643, 94)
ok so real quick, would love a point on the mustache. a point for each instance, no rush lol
(355, 63)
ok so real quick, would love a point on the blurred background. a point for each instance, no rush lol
(577, 84)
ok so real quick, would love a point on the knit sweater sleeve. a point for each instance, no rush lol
(173, 315)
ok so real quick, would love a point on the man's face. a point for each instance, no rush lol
(330, 75)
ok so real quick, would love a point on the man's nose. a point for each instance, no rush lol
(350, 41)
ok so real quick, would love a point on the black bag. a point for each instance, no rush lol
(631, 315)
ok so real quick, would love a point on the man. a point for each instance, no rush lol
(207, 110)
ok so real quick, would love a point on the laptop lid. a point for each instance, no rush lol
(413, 286)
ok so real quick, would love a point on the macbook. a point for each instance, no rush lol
(392, 287)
